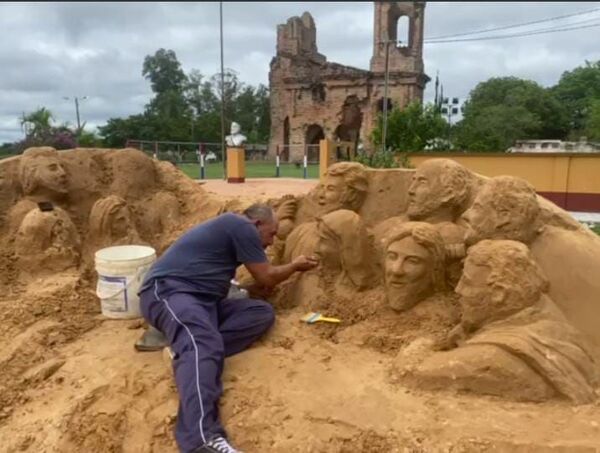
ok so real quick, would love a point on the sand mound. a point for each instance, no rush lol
(71, 381)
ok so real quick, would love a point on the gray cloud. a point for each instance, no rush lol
(97, 49)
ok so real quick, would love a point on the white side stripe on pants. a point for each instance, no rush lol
(195, 351)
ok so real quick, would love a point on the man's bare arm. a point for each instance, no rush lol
(268, 275)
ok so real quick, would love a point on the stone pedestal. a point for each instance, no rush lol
(236, 165)
(326, 156)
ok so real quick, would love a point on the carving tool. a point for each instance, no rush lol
(312, 317)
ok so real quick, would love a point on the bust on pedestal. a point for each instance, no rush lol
(236, 165)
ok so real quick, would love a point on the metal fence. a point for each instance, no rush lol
(201, 160)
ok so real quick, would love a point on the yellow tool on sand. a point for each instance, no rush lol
(313, 317)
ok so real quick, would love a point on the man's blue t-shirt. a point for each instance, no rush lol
(206, 257)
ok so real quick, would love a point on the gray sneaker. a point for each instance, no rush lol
(217, 444)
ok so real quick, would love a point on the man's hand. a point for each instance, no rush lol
(305, 263)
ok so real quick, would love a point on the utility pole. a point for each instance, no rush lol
(222, 96)
(385, 94)
(77, 111)
(77, 99)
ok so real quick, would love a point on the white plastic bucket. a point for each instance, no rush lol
(121, 270)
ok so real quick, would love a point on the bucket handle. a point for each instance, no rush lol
(137, 276)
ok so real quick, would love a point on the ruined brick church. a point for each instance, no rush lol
(312, 98)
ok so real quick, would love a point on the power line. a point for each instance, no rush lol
(521, 33)
(505, 27)
(516, 35)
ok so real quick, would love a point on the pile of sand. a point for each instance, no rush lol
(71, 381)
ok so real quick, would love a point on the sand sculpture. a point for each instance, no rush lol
(508, 208)
(414, 263)
(47, 242)
(133, 173)
(345, 186)
(346, 250)
(111, 223)
(42, 175)
(517, 329)
(440, 192)
(513, 341)
(100, 198)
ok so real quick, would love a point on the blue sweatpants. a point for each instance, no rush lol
(201, 334)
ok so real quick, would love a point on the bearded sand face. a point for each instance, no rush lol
(499, 278)
(424, 193)
(440, 191)
(408, 276)
(482, 220)
(506, 207)
(476, 295)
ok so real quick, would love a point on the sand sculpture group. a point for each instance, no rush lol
(522, 272)
(500, 287)
(58, 208)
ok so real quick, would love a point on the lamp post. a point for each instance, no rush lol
(450, 108)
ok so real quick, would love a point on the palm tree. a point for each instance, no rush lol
(37, 123)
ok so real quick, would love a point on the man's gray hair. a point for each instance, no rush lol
(260, 211)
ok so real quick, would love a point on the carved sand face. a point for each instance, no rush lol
(50, 175)
(482, 220)
(408, 273)
(424, 193)
(332, 193)
(477, 297)
(120, 223)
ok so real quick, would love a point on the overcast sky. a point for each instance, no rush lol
(52, 50)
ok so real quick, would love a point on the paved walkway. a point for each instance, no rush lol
(269, 187)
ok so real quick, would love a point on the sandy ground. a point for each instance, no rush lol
(260, 187)
(71, 381)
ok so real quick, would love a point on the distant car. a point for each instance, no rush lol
(210, 157)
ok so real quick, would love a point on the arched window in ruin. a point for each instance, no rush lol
(403, 31)
(314, 134)
(318, 92)
(351, 121)
(380, 105)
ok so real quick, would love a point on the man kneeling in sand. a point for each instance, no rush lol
(513, 341)
(184, 296)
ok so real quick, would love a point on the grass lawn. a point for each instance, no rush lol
(596, 229)
(214, 170)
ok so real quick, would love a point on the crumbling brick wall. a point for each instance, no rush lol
(312, 98)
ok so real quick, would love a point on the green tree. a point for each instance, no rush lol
(117, 131)
(188, 107)
(592, 124)
(412, 128)
(164, 72)
(89, 139)
(495, 128)
(504, 109)
(38, 123)
(576, 90)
